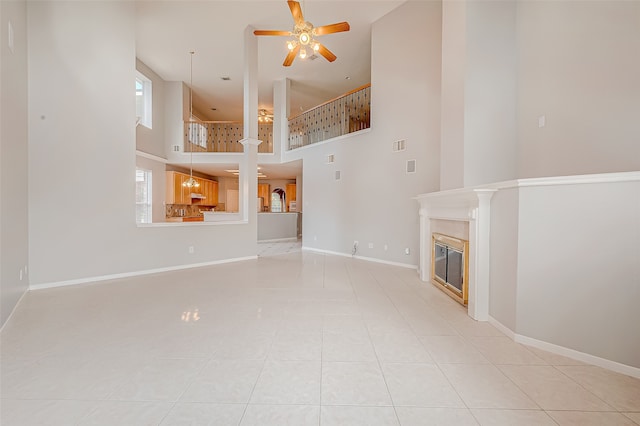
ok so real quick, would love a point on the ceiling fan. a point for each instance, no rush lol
(304, 34)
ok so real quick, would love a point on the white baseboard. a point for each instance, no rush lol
(580, 356)
(13, 311)
(279, 240)
(136, 273)
(564, 351)
(501, 327)
(368, 259)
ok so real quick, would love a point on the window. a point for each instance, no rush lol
(143, 196)
(143, 100)
(278, 201)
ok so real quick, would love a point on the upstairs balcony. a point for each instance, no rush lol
(345, 114)
(223, 136)
(340, 116)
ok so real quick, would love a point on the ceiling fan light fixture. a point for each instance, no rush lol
(304, 38)
(303, 53)
(291, 44)
(316, 47)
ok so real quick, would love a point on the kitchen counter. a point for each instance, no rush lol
(185, 219)
(221, 216)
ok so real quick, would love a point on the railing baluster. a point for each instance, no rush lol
(345, 114)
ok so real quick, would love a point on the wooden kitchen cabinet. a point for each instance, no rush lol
(210, 192)
(264, 192)
(177, 193)
(290, 194)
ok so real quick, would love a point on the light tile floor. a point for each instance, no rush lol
(294, 339)
(272, 248)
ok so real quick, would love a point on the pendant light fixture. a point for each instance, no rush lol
(191, 182)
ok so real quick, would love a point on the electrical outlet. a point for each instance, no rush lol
(370, 245)
(191, 250)
(407, 251)
(355, 248)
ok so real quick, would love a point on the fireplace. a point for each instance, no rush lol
(450, 266)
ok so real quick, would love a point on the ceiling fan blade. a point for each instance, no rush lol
(333, 28)
(291, 56)
(271, 33)
(296, 12)
(329, 56)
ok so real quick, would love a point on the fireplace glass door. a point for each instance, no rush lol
(449, 265)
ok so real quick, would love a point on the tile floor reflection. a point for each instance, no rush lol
(292, 338)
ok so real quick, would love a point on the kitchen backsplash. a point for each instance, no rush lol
(185, 210)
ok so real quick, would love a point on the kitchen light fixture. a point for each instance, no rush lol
(264, 116)
(191, 182)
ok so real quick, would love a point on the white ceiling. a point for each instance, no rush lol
(167, 30)
(271, 171)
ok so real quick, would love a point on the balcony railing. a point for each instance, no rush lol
(346, 114)
(223, 136)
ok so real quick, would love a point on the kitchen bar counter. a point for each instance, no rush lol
(277, 226)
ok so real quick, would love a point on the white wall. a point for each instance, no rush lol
(578, 269)
(82, 154)
(14, 248)
(490, 93)
(452, 102)
(374, 187)
(504, 257)
(578, 66)
(478, 93)
(151, 140)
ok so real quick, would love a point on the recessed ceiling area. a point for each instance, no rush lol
(167, 30)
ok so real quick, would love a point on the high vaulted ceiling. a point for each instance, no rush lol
(167, 30)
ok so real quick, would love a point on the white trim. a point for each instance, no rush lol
(151, 157)
(581, 179)
(567, 352)
(201, 223)
(337, 138)
(279, 240)
(13, 311)
(136, 273)
(367, 259)
(580, 356)
(466, 193)
(501, 327)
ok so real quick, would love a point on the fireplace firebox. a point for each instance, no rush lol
(450, 266)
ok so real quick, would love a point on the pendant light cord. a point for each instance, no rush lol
(191, 117)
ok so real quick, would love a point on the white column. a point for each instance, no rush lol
(425, 244)
(479, 255)
(281, 109)
(248, 167)
(250, 84)
(248, 180)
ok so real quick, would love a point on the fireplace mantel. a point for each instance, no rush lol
(466, 205)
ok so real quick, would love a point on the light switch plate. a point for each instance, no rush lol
(542, 121)
(10, 40)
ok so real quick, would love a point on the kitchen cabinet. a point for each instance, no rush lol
(177, 193)
(209, 188)
(290, 194)
(264, 192)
